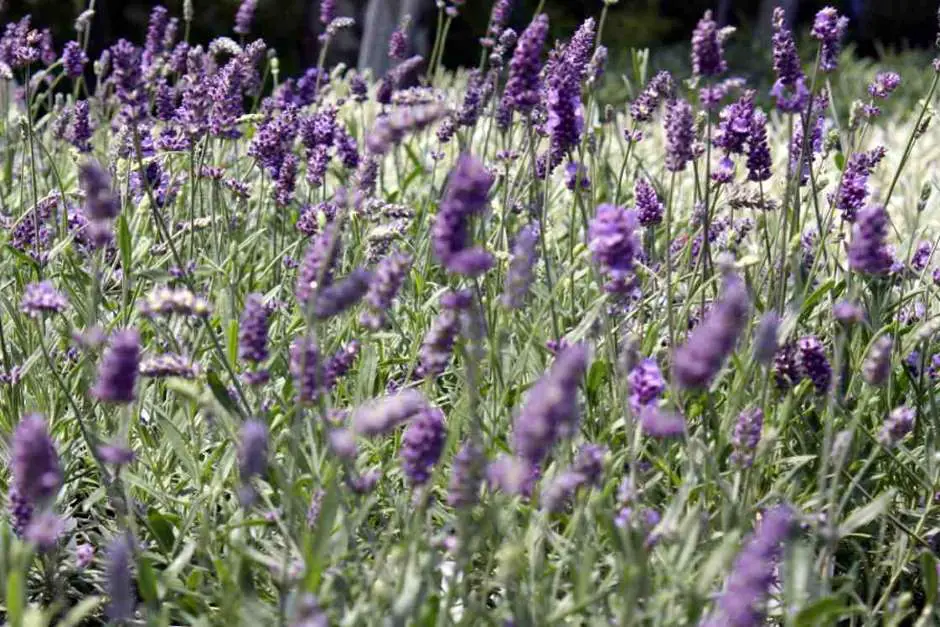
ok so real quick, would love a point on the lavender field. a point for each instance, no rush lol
(470, 348)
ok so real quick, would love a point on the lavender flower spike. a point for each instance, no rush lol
(660, 423)
(465, 197)
(746, 436)
(680, 135)
(37, 474)
(386, 281)
(120, 579)
(877, 367)
(522, 87)
(383, 415)
(521, 268)
(868, 252)
(42, 298)
(707, 53)
(245, 16)
(422, 445)
(697, 362)
(117, 373)
(747, 587)
(829, 29)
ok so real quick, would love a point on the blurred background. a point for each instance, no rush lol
(899, 32)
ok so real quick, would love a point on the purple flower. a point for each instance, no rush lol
(829, 29)
(74, 59)
(646, 385)
(398, 42)
(499, 17)
(253, 330)
(747, 587)
(42, 298)
(884, 84)
(708, 56)
(226, 96)
(868, 251)
(339, 363)
(318, 263)
(899, 423)
(466, 196)
(439, 342)
(649, 209)
(921, 257)
(79, 131)
(563, 100)
(34, 462)
(813, 364)
(327, 11)
(658, 89)
(698, 361)
(759, 160)
(847, 312)
(305, 369)
(390, 130)
(734, 125)
(101, 203)
(613, 241)
(422, 444)
(765, 338)
(853, 190)
(119, 578)
(550, 411)
(466, 475)
(21, 511)
(244, 16)
(680, 135)
(338, 297)
(117, 373)
(790, 88)
(127, 80)
(116, 453)
(576, 177)
(521, 272)
(84, 554)
(660, 423)
(877, 366)
(45, 530)
(512, 475)
(252, 450)
(383, 287)
(746, 436)
(168, 365)
(381, 416)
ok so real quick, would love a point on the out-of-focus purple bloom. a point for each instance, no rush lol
(829, 29)
(512, 475)
(422, 444)
(742, 602)
(398, 42)
(698, 361)
(42, 298)
(613, 241)
(520, 275)
(34, 462)
(877, 366)
(386, 281)
(813, 364)
(338, 297)
(499, 17)
(339, 363)
(318, 264)
(167, 365)
(389, 130)
(119, 578)
(680, 135)
(765, 338)
(550, 411)
(117, 373)
(327, 11)
(884, 84)
(746, 436)
(646, 385)
(116, 453)
(252, 450)
(868, 252)
(305, 368)
(661, 423)
(708, 56)
(658, 89)
(438, 345)
(465, 197)
(245, 16)
(649, 209)
(847, 312)
(899, 423)
(466, 476)
(587, 468)
(102, 205)
(576, 177)
(381, 416)
(45, 530)
(563, 99)
(21, 511)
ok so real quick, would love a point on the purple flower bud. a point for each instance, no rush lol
(34, 462)
(829, 29)
(84, 554)
(853, 191)
(74, 59)
(680, 135)
(318, 263)
(119, 578)
(698, 361)
(381, 416)
(746, 436)
(466, 477)
(117, 373)
(877, 366)
(252, 450)
(899, 423)
(523, 85)
(658, 89)
(327, 11)
(848, 313)
(422, 445)
(245, 16)
(613, 241)
(708, 56)
(168, 365)
(884, 84)
(759, 160)
(646, 385)
(660, 423)
(868, 251)
(337, 298)
(765, 338)
(813, 364)
(790, 87)
(520, 274)
(253, 330)
(386, 281)
(649, 208)
(45, 530)
(339, 363)
(439, 342)
(466, 196)
(305, 369)
(42, 298)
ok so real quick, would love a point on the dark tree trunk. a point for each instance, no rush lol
(380, 21)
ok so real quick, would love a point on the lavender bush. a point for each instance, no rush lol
(464, 348)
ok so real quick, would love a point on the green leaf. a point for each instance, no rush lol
(80, 612)
(221, 394)
(596, 377)
(146, 580)
(318, 543)
(16, 598)
(162, 529)
(124, 243)
(825, 611)
(867, 513)
(928, 568)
